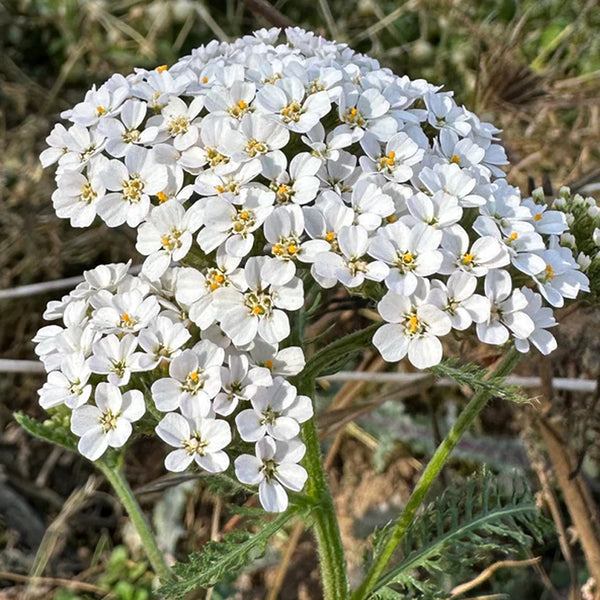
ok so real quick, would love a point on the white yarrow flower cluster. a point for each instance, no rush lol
(249, 169)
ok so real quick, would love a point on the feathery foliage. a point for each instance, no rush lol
(478, 379)
(464, 526)
(222, 560)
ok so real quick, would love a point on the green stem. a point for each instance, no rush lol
(435, 465)
(123, 491)
(329, 541)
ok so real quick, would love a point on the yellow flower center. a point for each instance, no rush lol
(88, 194)
(292, 112)
(178, 125)
(353, 117)
(109, 420)
(455, 159)
(467, 259)
(132, 189)
(100, 110)
(161, 68)
(162, 197)
(549, 274)
(254, 147)
(537, 217)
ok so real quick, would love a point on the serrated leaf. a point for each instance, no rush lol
(463, 526)
(478, 379)
(225, 558)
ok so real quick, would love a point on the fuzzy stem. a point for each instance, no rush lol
(435, 465)
(123, 491)
(329, 541)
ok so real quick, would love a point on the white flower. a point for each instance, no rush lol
(195, 378)
(161, 340)
(69, 385)
(443, 113)
(286, 101)
(177, 123)
(561, 277)
(77, 195)
(131, 185)
(395, 164)
(239, 381)
(458, 300)
(121, 134)
(364, 111)
(507, 311)
(542, 318)
(413, 326)
(454, 181)
(258, 311)
(116, 358)
(370, 204)
(197, 439)
(273, 468)
(101, 103)
(167, 236)
(283, 229)
(486, 253)
(109, 422)
(286, 362)
(234, 227)
(411, 253)
(296, 185)
(127, 312)
(349, 266)
(256, 137)
(276, 410)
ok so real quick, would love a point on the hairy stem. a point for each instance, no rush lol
(123, 491)
(329, 541)
(435, 465)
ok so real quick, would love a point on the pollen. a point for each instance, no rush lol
(408, 257)
(161, 68)
(513, 236)
(245, 215)
(291, 112)
(278, 249)
(127, 320)
(537, 217)
(258, 310)
(162, 197)
(413, 324)
(292, 249)
(391, 157)
(100, 110)
(455, 159)
(269, 364)
(220, 189)
(467, 259)
(205, 79)
(194, 376)
(330, 236)
(549, 273)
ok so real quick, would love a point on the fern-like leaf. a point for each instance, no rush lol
(219, 560)
(478, 379)
(463, 526)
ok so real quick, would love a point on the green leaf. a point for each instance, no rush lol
(52, 431)
(220, 560)
(463, 527)
(478, 379)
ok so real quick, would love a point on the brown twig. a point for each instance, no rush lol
(269, 13)
(55, 582)
(580, 504)
(487, 573)
(284, 565)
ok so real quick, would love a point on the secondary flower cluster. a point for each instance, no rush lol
(248, 170)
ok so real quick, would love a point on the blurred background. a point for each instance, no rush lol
(532, 67)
